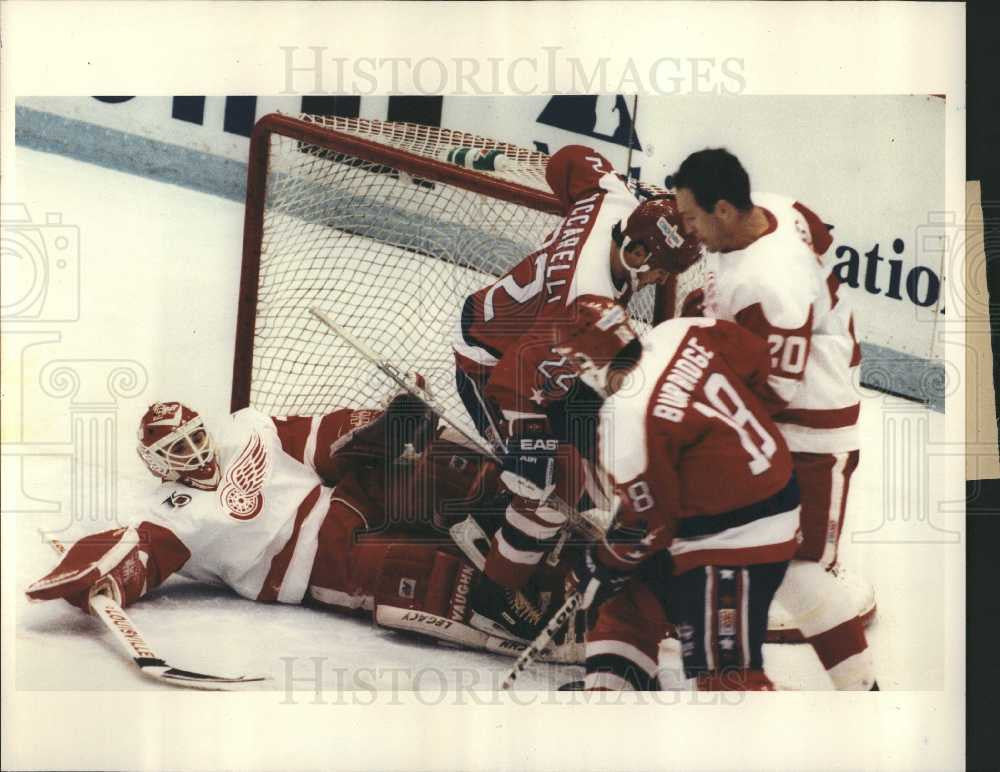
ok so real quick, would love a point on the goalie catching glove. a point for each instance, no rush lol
(401, 431)
(124, 563)
(409, 424)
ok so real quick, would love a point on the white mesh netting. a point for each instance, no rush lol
(391, 257)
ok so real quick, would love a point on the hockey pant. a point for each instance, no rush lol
(719, 613)
(825, 481)
(827, 617)
(346, 565)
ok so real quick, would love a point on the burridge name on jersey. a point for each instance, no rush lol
(682, 379)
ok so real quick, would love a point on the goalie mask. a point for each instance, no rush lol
(657, 225)
(600, 340)
(175, 446)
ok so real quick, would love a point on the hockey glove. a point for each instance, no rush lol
(603, 569)
(115, 563)
(694, 303)
(529, 464)
(408, 422)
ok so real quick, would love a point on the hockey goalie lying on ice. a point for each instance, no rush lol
(278, 509)
(328, 510)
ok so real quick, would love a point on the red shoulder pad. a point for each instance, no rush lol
(574, 172)
(819, 234)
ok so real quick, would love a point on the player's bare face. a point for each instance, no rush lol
(706, 226)
(185, 445)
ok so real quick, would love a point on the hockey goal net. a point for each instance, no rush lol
(387, 227)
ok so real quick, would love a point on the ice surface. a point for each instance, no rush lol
(159, 269)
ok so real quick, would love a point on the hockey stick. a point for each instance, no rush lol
(393, 372)
(150, 664)
(530, 654)
(533, 651)
(589, 529)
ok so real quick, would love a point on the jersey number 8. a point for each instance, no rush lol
(728, 407)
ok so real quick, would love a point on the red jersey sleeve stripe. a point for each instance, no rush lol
(293, 432)
(279, 563)
(856, 353)
(818, 232)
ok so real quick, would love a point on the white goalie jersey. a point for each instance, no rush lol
(257, 531)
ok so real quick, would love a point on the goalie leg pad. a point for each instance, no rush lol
(426, 590)
(416, 577)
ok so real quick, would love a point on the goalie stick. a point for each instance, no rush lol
(135, 646)
(590, 528)
(399, 378)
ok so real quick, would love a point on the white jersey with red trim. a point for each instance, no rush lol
(779, 288)
(257, 531)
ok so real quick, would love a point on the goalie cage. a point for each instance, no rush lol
(388, 227)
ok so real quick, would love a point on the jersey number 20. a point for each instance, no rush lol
(788, 353)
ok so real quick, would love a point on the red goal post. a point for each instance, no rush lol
(387, 226)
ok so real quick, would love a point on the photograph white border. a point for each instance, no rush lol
(83, 48)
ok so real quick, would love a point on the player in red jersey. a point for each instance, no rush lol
(764, 270)
(709, 505)
(522, 395)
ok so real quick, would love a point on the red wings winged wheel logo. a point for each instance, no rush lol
(240, 493)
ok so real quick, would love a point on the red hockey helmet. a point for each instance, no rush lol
(174, 445)
(601, 329)
(657, 224)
